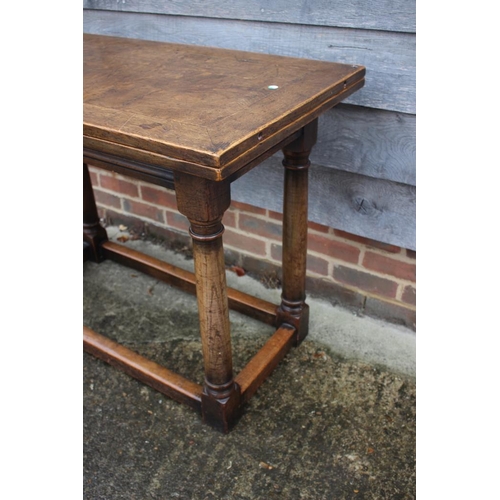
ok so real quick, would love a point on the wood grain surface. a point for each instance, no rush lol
(200, 105)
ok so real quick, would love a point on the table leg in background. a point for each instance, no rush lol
(293, 309)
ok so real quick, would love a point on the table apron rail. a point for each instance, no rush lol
(137, 170)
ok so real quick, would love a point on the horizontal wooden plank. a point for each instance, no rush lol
(388, 15)
(366, 141)
(163, 380)
(381, 210)
(388, 57)
(265, 361)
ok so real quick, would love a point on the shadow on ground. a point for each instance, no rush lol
(321, 427)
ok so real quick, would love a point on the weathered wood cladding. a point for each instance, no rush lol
(366, 141)
(389, 57)
(386, 15)
(363, 166)
(373, 208)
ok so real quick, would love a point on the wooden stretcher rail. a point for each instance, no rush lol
(265, 361)
(238, 301)
(163, 380)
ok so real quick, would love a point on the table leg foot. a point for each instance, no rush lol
(221, 408)
(296, 315)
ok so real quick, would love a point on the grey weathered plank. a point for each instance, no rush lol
(366, 141)
(388, 57)
(373, 208)
(388, 15)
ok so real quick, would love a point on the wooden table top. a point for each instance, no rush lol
(204, 111)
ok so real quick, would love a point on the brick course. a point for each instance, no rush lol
(365, 281)
(367, 242)
(317, 265)
(144, 210)
(387, 265)
(245, 243)
(259, 226)
(318, 227)
(177, 220)
(410, 295)
(244, 207)
(113, 183)
(411, 254)
(333, 248)
(158, 196)
(372, 277)
(94, 178)
(229, 219)
(107, 199)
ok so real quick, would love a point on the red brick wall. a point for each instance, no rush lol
(376, 278)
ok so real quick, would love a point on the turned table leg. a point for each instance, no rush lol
(204, 202)
(93, 233)
(293, 309)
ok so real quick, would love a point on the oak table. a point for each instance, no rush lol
(195, 119)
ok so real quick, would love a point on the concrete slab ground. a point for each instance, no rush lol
(336, 420)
